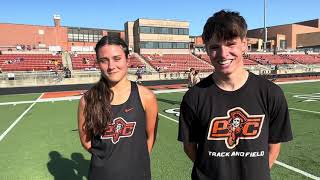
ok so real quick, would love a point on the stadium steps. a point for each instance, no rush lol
(149, 67)
(297, 62)
(206, 62)
(66, 61)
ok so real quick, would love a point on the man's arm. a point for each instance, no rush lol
(274, 150)
(191, 150)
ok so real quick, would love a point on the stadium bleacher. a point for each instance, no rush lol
(88, 62)
(84, 61)
(176, 62)
(267, 59)
(160, 63)
(30, 62)
(304, 58)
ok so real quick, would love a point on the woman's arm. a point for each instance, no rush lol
(150, 106)
(85, 141)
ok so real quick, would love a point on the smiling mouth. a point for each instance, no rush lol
(111, 72)
(225, 62)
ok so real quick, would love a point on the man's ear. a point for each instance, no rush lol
(244, 42)
(207, 49)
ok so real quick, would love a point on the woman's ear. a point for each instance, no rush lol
(128, 60)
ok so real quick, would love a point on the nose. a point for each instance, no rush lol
(224, 51)
(111, 64)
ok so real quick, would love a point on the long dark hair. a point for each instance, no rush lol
(97, 111)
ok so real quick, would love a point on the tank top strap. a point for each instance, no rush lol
(135, 96)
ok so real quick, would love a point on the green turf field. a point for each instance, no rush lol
(44, 143)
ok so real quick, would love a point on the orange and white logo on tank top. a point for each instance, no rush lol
(238, 124)
(118, 129)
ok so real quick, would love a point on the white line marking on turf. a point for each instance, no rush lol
(169, 91)
(291, 92)
(43, 100)
(78, 97)
(297, 170)
(296, 82)
(276, 162)
(171, 119)
(303, 110)
(18, 119)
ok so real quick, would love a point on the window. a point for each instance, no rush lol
(186, 31)
(164, 30)
(283, 44)
(145, 30)
(84, 35)
(163, 45)
(181, 31)
(175, 31)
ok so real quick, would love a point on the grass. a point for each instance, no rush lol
(45, 143)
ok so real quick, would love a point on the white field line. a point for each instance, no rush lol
(303, 110)
(169, 118)
(42, 100)
(18, 119)
(296, 82)
(291, 93)
(156, 92)
(297, 170)
(276, 162)
(70, 98)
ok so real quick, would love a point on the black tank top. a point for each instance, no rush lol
(121, 152)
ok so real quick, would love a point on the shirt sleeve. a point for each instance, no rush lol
(188, 127)
(279, 124)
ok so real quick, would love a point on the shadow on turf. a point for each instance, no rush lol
(168, 101)
(62, 168)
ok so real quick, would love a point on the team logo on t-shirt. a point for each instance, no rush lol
(118, 129)
(238, 124)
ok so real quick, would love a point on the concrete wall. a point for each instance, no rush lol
(13, 34)
(288, 32)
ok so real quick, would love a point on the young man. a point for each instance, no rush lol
(232, 122)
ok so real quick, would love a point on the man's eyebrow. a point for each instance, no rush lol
(102, 59)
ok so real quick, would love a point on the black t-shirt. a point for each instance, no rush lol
(121, 152)
(233, 128)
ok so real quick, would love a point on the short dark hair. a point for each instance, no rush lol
(224, 25)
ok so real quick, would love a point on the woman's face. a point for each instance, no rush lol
(113, 63)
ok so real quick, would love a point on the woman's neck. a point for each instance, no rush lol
(121, 92)
(119, 86)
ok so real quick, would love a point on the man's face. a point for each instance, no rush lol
(226, 56)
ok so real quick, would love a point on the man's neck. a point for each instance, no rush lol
(231, 82)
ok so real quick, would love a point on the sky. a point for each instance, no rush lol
(107, 14)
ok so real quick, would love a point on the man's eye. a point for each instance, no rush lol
(117, 58)
(231, 44)
(103, 61)
(214, 47)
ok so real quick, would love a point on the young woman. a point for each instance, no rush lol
(117, 119)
